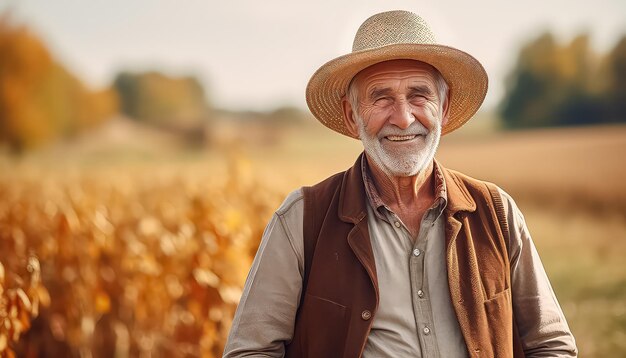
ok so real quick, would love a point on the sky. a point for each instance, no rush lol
(260, 54)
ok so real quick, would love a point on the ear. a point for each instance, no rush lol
(349, 117)
(446, 106)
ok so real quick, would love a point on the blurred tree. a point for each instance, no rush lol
(578, 104)
(156, 98)
(529, 92)
(553, 85)
(39, 99)
(616, 94)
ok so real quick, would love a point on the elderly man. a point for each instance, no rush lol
(398, 256)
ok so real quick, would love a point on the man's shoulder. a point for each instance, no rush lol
(292, 202)
(324, 190)
(511, 210)
(330, 182)
(465, 178)
(470, 182)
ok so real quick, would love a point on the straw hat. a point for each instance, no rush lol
(390, 36)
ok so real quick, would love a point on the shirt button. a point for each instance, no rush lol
(366, 315)
(416, 252)
(397, 224)
(426, 330)
(420, 293)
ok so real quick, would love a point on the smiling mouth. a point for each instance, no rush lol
(400, 138)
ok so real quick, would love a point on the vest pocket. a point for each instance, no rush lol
(499, 312)
(324, 328)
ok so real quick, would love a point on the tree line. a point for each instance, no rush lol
(41, 101)
(555, 84)
(551, 84)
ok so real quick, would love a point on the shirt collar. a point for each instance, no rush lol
(376, 202)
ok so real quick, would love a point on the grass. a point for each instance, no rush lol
(583, 256)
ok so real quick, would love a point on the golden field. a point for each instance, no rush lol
(110, 256)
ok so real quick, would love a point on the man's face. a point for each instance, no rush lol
(399, 115)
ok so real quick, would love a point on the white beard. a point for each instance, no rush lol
(397, 162)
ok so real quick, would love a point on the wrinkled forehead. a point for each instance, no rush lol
(394, 70)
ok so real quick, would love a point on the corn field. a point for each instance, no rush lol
(118, 263)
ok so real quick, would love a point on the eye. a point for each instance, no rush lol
(417, 98)
(382, 101)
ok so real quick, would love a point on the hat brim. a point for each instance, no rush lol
(466, 78)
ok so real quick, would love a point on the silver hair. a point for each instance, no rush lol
(440, 82)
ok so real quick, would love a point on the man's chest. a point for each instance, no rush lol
(414, 299)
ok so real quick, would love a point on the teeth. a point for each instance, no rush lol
(397, 138)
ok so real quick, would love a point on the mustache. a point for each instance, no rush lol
(416, 128)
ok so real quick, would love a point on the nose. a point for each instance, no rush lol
(402, 115)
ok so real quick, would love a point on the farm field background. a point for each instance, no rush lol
(146, 254)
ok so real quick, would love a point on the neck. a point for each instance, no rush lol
(404, 192)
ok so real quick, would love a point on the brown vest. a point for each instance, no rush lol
(340, 295)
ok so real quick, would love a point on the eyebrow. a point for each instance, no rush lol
(413, 90)
(420, 90)
(377, 92)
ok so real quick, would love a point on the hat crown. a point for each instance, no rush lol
(392, 27)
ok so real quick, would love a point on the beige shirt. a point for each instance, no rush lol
(415, 317)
